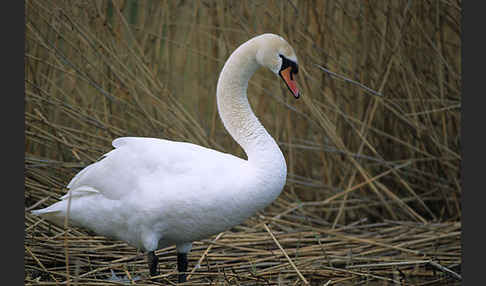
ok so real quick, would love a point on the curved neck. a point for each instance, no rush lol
(236, 113)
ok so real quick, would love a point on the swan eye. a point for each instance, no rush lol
(289, 63)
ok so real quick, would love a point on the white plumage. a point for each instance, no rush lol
(153, 193)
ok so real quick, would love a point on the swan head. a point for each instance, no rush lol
(275, 53)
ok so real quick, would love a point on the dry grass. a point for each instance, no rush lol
(374, 188)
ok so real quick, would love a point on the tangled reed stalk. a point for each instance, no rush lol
(373, 145)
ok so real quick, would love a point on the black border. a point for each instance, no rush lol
(13, 143)
(472, 142)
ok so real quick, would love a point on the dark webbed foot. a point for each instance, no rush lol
(153, 260)
(182, 266)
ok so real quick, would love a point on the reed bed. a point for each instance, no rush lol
(267, 251)
(372, 147)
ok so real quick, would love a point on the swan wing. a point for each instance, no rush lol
(138, 161)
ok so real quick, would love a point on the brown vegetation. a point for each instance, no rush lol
(372, 146)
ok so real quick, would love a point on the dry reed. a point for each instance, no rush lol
(373, 146)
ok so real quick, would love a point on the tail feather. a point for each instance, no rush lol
(49, 209)
(51, 213)
(37, 212)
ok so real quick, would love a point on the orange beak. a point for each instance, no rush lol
(287, 76)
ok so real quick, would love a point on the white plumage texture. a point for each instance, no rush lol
(133, 191)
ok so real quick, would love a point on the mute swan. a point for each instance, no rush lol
(153, 193)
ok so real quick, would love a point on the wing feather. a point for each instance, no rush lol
(136, 161)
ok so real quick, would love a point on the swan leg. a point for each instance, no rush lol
(182, 266)
(153, 260)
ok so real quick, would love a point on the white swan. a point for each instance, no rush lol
(153, 193)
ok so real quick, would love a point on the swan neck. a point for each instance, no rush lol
(235, 111)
